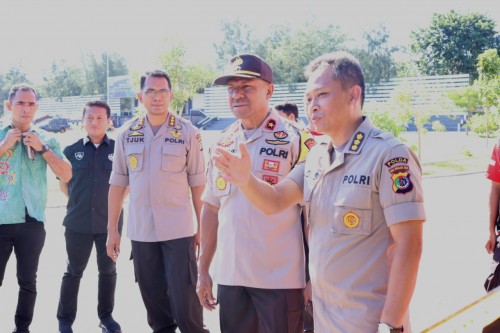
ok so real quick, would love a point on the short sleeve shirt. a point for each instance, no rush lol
(87, 209)
(23, 182)
(159, 169)
(373, 184)
(255, 249)
(493, 172)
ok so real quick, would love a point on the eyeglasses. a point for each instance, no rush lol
(153, 93)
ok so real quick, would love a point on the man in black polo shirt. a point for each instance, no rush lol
(87, 217)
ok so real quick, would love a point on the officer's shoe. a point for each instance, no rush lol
(109, 325)
(17, 330)
(65, 328)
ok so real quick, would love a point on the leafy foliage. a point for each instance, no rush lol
(376, 57)
(287, 50)
(96, 68)
(63, 80)
(452, 42)
(484, 124)
(13, 76)
(186, 80)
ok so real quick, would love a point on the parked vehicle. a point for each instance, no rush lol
(57, 125)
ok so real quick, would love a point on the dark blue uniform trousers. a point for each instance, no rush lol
(167, 274)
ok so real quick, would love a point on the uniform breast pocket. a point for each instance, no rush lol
(353, 211)
(173, 159)
(80, 165)
(135, 157)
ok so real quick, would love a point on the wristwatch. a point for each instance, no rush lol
(386, 328)
(45, 148)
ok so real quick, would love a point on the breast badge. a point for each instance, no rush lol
(351, 220)
(220, 182)
(133, 162)
(79, 155)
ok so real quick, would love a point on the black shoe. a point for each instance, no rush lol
(109, 325)
(65, 328)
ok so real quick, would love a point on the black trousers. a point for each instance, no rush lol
(167, 273)
(255, 310)
(78, 247)
(27, 240)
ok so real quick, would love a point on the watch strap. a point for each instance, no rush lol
(45, 148)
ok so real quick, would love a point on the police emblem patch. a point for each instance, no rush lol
(175, 133)
(270, 165)
(271, 124)
(110, 157)
(79, 155)
(401, 182)
(396, 160)
(221, 184)
(271, 180)
(280, 135)
(133, 162)
(198, 137)
(225, 142)
(351, 220)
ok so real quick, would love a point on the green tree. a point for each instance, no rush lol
(95, 69)
(13, 76)
(468, 99)
(484, 124)
(376, 57)
(452, 42)
(488, 83)
(63, 80)
(286, 49)
(238, 38)
(289, 50)
(186, 79)
(390, 121)
(411, 100)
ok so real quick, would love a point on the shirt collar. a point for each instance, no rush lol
(87, 139)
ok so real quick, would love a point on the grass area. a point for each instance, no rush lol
(466, 165)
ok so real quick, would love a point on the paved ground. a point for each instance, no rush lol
(453, 268)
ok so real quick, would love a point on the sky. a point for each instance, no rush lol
(35, 32)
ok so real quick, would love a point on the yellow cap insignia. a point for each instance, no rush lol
(351, 220)
(133, 162)
(221, 183)
(238, 61)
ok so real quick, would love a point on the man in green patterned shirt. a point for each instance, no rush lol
(25, 152)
